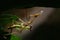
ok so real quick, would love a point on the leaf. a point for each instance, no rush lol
(15, 37)
(7, 18)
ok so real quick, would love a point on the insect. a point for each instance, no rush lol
(10, 22)
(22, 25)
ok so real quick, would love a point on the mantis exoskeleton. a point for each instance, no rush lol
(20, 25)
(26, 25)
(23, 25)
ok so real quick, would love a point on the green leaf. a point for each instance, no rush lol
(15, 37)
(7, 18)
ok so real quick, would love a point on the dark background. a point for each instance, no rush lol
(50, 30)
(7, 4)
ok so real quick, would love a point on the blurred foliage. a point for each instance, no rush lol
(15, 37)
(7, 18)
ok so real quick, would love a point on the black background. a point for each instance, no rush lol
(7, 4)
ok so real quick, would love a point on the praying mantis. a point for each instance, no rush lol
(10, 22)
(24, 25)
